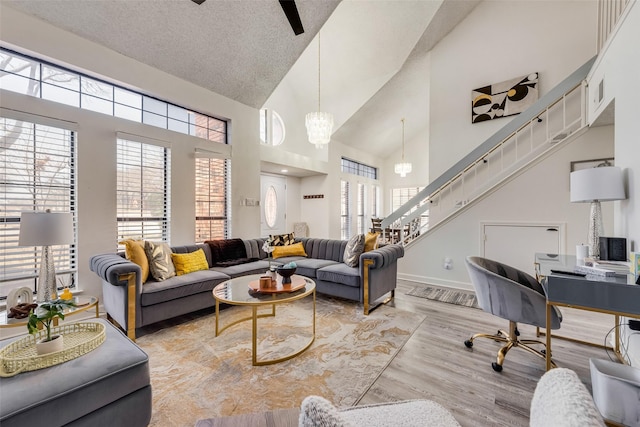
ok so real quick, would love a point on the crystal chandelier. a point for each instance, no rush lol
(402, 168)
(319, 124)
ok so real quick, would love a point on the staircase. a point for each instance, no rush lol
(555, 119)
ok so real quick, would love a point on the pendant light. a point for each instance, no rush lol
(319, 124)
(402, 168)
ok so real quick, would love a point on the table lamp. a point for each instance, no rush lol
(595, 185)
(46, 229)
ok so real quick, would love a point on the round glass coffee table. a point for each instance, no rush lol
(239, 291)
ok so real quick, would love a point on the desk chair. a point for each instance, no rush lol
(512, 295)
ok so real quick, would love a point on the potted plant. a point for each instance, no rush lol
(45, 314)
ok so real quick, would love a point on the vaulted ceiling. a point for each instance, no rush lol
(243, 49)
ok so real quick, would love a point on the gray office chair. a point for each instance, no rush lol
(513, 295)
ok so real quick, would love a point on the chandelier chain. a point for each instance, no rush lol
(319, 71)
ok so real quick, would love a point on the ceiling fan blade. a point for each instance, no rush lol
(291, 11)
(198, 2)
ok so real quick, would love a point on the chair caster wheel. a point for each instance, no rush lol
(468, 343)
(496, 367)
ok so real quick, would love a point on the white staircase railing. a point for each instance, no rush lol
(555, 118)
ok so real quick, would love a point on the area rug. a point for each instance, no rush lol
(450, 296)
(196, 375)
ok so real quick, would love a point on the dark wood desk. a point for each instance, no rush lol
(617, 295)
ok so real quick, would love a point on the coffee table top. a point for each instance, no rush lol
(237, 291)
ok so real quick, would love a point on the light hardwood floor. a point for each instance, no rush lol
(434, 363)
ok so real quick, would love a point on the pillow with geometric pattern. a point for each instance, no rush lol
(282, 239)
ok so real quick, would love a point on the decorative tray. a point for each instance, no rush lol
(79, 338)
(279, 288)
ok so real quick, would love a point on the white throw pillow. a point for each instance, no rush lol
(317, 411)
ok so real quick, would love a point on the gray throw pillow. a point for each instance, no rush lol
(160, 264)
(355, 247)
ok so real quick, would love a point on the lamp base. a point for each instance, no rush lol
(47, 289)
(596, 229)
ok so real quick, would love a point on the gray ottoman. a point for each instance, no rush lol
(107, 387)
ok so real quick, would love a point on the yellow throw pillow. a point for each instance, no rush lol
(188, 263)
(371, 241)
(134, 251)
(290, 250)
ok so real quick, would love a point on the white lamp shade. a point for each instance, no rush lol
(602, 184)
(46, 228)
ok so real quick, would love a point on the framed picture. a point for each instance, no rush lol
(594, 163)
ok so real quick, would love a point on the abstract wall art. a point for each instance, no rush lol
(504, 99)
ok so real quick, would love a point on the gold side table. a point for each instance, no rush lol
(87, 302)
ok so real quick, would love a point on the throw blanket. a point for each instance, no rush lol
(228, 252)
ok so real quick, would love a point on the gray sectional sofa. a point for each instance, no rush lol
(133, 305)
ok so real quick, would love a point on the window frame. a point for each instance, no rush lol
(204, 198)
(57, 194)
(126, 223)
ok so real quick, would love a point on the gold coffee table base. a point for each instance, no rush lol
(221, 296)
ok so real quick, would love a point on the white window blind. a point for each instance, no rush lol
(345, 219)
(37, 172)
(143, 191)
(375, 201)
(212, 181)
(360, 209)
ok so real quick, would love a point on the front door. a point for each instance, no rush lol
(273, 204)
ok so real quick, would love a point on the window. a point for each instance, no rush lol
(33, 77)
(345, 217)
(360, 169)
(212, 181)
(143, 191)
(271, 206)
(360, 209)
(37, 172)
(400, 196)
(272, 131)
(375, 201)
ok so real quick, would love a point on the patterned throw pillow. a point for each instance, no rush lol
(355, 247)
(282, 239)
(134, 251)
(188, 263)
(160, 263)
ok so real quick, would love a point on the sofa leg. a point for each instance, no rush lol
(131, 307)
(367, 307)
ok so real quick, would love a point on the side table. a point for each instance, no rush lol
(84, 303)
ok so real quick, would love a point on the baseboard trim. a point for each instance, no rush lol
(437, 281)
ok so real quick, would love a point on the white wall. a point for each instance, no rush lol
(619, 66)
(498, 41)
(97, 138)
(539, 194)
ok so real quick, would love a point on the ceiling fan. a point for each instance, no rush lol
(290, 10)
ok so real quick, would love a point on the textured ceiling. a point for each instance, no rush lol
(239, 49)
